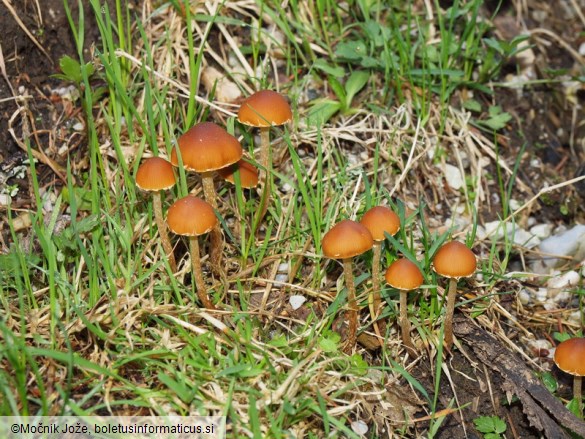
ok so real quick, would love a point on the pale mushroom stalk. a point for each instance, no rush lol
(450, 310)
(404, 322)
(577, 384)
(197, 274)
(266, 162)
(376, 297)
(162, 230)
(216, 244)
(352, 304)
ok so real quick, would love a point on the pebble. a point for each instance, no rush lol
(297, 301)
(575, 317)
(541, 295)
(542, 231)
(567, 280)
(524, 296)
(5, 199)
(570, 243)
(280, 278)
(453, 176)
(517, 233)
(359, 427)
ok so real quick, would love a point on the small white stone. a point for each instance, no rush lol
(283, 268)
(575, 317)
(524, 296)
(531, 221)
(453, 176)
(550, 305)
(541, 295)
(537, 345)
(359, 427)
(514, 204)
(567, 280)
(560, 296)
(297, 301)
(567, 243)
(524, 238)
(543, 231)
(280, 278)
(78, 127)
(286, 187)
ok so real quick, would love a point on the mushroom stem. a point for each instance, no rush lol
(377, 250)
(577, 393)
(352, 305)
(266, 162)
(404, 322)
(449, 312)
(216, 240)
(162, 230)
(197, 275)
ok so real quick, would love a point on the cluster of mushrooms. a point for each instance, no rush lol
(207, 148)
(348, 239)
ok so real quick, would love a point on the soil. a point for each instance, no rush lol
(546, 125)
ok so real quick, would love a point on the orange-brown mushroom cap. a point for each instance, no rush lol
(248, 174)
(404, 275)
(155, 174)
(207, 147)
(454, 259)
(380, 219)
(191, 216)
(265, 108)
(570, 356)
(346, 239)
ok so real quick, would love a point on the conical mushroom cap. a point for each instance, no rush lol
(207, 147)
(265, 108)
(380, 219)
(347, 239)
(570, 356)
(404, 275)
(454, 259)
(155, 174)
(191, 216)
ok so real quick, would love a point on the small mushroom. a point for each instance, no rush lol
(248, 174)
(154, 175)
(344, 241)
(379, 220)
(191, 216)
(453, 260)
(264, 109)
(405, 276)
(206, 147)
(570, 358)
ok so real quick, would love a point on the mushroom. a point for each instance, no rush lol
(378, 220)
(264, 109)
(570, 358)
(154, 175)
(206, 147)
(453, 260)
(248, 174)
(191, 216)
(344, 241)
(405, 276)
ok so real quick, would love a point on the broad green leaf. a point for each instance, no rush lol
(356, 81)
(71, 68)
(321, 64)
(472, 105)
(321, 111)
(351, 50)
